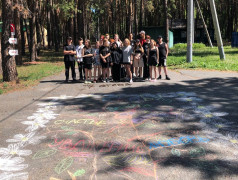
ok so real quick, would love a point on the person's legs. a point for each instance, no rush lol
(67, 66)
(140, 72)
(90, 74)
(86, 74)
(155, 69)
(72, 65)
(99, 72)
(150, 72)
(80, 67)
(104, 73)
(95, 72)
(107, 73)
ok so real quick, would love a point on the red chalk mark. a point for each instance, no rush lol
(141, 171)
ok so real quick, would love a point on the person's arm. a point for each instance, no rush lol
(142, 50)
(167, 50)
(74, 51)
(109, 54)
(157, 51)
(66, 52)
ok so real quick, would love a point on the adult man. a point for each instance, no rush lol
(69, 61)
(163, 54)
(142, 38)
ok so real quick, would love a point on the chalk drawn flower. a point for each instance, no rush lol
(14, 149)
(189, 99)
(28, 138)
(12, 164)
(41, 115)
(10, 176)
(48, 105)
(186, 94)
(34, 125)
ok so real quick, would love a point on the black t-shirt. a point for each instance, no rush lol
(133, 42)
(162, 50)
(88, 60)
(68, 57)
(104, 50)
(146, 46)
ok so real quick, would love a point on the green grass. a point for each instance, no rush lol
(203, 58)
(50, 63)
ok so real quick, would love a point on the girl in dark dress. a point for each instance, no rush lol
(105, 56)
(116, 55)
(87, 54)
(153, 58)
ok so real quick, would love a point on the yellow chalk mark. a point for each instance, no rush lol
(234, 141)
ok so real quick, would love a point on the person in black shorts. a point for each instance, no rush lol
(69, 60)
(153, 58)
(163, 54)
(105, 57)
(87, 54)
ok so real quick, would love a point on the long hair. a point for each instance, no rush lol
(89, 43)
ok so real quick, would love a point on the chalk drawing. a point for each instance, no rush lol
(79, 172)
(44, 153)
(181, 141)
(64, 165)
(11, 163)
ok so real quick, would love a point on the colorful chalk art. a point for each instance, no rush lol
(119, 136)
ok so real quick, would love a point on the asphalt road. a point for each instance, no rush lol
(185, 128)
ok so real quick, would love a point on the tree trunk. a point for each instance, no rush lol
(135, 17)
(23, 39)
(8, 62)
(166, 21)
(0, 55)
(48, 25)
(18, 36)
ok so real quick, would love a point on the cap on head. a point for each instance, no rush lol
(69, 38)
(159, 37)
(142, 32)
(80, 39)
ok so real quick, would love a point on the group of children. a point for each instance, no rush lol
(112, 57)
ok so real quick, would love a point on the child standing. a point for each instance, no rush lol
(79, 50)
(87, 54)
(163, 51)
(153, 58)
(138, 59)
(97, 65)
(105, 57)
(127, 51)
(116, 54)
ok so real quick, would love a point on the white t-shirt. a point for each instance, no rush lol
(127, 52)
(79, 53)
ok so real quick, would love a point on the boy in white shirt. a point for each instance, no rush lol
(79, 49)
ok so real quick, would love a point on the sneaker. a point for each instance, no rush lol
(131, 81)
(104, 81)
(94, 81)
(107, 80)
(146, 79)
(167, 78)
(89, 82)
(149, 79)
(66, 81)
(85, 82)
(159, 77)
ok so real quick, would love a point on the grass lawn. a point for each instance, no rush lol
(203, 58)
(50, 63)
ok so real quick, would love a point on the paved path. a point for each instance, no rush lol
(185, 128)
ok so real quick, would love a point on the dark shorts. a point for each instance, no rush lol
(88, 66)
(105, 65)
(152, 62)
(162, 62)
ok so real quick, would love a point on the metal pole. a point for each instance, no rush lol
(190, 31)
(217, 30)
(204, 24)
